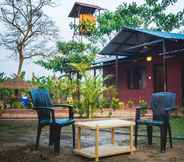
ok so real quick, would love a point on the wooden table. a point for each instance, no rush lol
(104, 150)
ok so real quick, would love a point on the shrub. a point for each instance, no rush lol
(1, 106)
(144, 106)
(17, 104)
(130, 103)
(115, 103)
(105, 103)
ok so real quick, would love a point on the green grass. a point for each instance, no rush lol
(177, 125)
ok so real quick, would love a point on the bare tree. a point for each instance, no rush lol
(28, 32)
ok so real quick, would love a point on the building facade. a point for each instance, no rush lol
(138, 79)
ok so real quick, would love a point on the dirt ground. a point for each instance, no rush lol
(17, 140)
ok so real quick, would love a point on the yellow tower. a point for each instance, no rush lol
(84, 16)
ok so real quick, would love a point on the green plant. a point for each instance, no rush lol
(122, 105)
(182, 109)
(111, 91)
(71, 52)
(109, 114)
(17, 104)
(144, 106)
(130, 103)
(58, 87)
(91, 92)
(1, 106)
(115, 103)
(105, 103)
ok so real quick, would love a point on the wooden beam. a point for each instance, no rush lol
(164, 65)
(97, 144)
(123, 53)
(171, 52)
(78, 138)
(113, 136)
(125, 44)
(116, 71)
(131, 139)
(143, 44)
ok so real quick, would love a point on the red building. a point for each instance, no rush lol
(150, 61)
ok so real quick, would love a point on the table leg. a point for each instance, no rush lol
(131, 139)
(78, 138)
(97, 143)
(113, 136)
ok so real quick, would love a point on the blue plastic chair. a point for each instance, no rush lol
(46, 117)
(162, 103)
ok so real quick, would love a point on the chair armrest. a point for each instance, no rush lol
(70, 107)
(63, 105)
(170, 109)
(46, 109)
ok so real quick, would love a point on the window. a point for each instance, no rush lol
(136, 77)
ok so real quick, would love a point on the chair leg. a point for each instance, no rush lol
(163, 137)
(51, 135)
(149, 134)
(57, 131)
(73, 135)
(136, 134)
(170, 135)
(38, 136)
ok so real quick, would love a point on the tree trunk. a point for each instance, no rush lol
(21, 60)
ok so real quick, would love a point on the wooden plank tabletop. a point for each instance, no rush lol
(109, 123)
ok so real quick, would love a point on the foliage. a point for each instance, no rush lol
(153, 14)
(130, 103)
(94, 94)
(17, 104)
(59, 88)
(105, 103)
(4, 93)
(1, 106)
(85, 27)
(69, 53)
(111, 92)
(116, 104)
(144, 106)
(3, 77)
(177, 124)
(91, 92)
(28, 32)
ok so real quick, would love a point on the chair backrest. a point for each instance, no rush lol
(40, 97)
(161, 101)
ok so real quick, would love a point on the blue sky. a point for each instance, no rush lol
(60, 16)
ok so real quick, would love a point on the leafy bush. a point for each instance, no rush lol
(1, 106)
(130, 103)
(59, 88)
(105, 103)
(115, 103)
(91, 93)
(17, 104)
(144, 106)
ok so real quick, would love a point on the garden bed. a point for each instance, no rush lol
(27, 113)
(31, 114)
